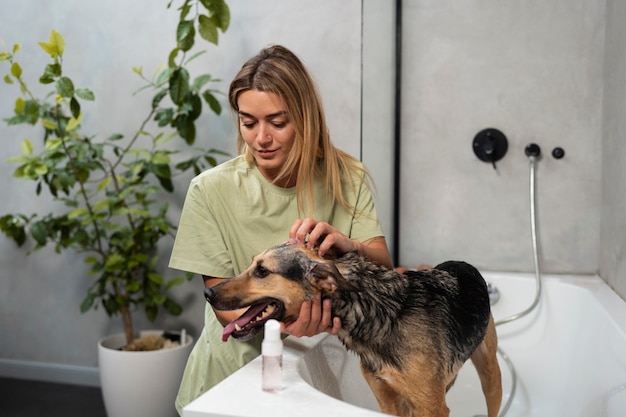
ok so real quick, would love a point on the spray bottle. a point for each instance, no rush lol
(272, 353)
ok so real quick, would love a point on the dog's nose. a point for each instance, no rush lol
(209, 294)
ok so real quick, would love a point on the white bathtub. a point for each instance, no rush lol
(569, 355)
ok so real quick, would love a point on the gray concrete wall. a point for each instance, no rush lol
(532, 69)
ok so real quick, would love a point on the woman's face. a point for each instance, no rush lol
(265, 127)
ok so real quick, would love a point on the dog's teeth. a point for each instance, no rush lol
(237, 327)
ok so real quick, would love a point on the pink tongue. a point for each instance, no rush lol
(244, 319)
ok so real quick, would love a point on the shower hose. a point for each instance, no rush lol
(532, 151)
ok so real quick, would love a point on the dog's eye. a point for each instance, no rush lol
(261, 272)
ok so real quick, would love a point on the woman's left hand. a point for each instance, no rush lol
(315, 317)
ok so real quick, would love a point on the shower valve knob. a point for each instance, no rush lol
(533, 150)
(490, 145)
(558, 152)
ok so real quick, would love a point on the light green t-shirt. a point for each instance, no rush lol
(232, 213)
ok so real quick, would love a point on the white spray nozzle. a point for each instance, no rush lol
(272, 343)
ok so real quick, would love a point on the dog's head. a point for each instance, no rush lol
(274, 287)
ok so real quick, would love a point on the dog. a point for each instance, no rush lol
(412, 331)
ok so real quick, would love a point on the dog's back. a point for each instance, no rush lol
(444, 310)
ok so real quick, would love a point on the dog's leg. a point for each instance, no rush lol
(388, 399)
(486, 363)
(414, 392)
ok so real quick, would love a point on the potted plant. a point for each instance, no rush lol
(108, 188)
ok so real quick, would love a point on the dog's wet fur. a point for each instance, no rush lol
(412, 331)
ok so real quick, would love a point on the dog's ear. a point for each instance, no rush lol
(326, 277)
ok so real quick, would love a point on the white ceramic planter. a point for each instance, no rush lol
(140, 384)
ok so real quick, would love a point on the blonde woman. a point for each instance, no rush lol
(289, 182)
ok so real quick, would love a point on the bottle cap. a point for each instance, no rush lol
(272, 343)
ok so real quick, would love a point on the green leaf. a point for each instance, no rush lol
(171, 59)
(75, 109)
(104, 183)
(133, 287)
(160, 139)
(194, 56)
(85, 94)
(114, 262)
(172, 307)
(77, 212)
(27, 147)
(164, 117)
(115, 136)
(101, 205)
(53, 143)
(65, 87)
(49, 49)
(200, 82)
(218, 9)
(185, 34)
(13, 228)
(87, 303)
(160, 158)
(57, 40)
(20, 105)
(174, 282)
(151, 312)
(208, 29)
(155, 277)
(164, 76)
(179, 85)
(186, 129)
(166, 183)
(49, 124)
(51, 72)
(39, 232)
(75, 120)
(16, 70)
(213, 103)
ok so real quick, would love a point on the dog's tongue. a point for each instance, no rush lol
(244, 319)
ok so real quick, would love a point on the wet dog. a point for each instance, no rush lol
(412, 331)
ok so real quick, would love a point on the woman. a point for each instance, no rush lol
(289, 182)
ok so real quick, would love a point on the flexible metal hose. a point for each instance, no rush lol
(533, 231)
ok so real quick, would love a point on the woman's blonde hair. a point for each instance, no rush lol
(278, 70)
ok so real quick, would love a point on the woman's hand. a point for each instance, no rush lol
(315, 317)
(321, 235)
(327, 239)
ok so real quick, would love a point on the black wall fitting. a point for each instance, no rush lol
(490, 145)
(558, 152)
(532, 149)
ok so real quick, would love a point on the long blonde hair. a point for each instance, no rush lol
(278, 70)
